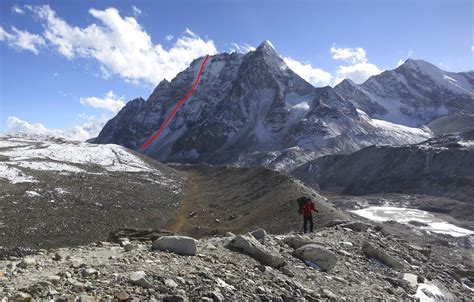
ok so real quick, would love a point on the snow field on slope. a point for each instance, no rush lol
(44, 154)
(404, 215)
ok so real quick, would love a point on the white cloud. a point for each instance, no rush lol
(244, 48)
(359, 69)
(109, 102)
(401, 61)
(121, 46)
(169, 37)
(352, 55)
(136, 11)
(15, 124)
(317, 77)
(17, 9)
(357, 72)
(22, 40)
(472, 48)
(89, 128)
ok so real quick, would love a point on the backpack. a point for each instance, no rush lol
(301, 202)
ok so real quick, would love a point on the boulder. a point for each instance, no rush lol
(250, 246)
(380, 255)
(136, 234)
(298, 241)
(324, 258)
(128, 247)
(22, 297)
(139, 278)
(170, 283)
(259, 234)
(54, 279)
(122, 296)
(27, 262)
(357, 226)
(181, 245)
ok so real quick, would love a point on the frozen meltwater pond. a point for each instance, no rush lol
(404, 215)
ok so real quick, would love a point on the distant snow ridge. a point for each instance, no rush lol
(413, 94)
(23, 153)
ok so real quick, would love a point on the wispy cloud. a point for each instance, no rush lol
(241, 48)
(109, 102)
(22, 40)
(136, 11)
(16, 9)
(87, 127)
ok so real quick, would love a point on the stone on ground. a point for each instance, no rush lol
(324, 258)
(298, 241)
(380, 255)
(180, 245)
(139, 278)
(259, 234)
(357, 226)
(249, 245)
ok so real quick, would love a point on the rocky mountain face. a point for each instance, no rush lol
(457, 122)
(442, 166)
(249, 109)
(413, 94)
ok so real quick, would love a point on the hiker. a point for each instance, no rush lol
(306, 207)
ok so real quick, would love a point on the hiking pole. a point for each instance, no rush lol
(301, 224)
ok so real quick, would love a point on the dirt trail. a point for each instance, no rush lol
(226, 199)
(191, 193)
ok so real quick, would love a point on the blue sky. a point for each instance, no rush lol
(70, 65)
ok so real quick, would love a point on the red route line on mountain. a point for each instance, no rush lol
(163, 126)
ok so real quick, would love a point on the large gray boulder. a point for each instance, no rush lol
(250, 246)
(180, 245)
(324, 258)
(139, 278)
(357, 226)
(298, 241)
(380, 255)
(259, 234)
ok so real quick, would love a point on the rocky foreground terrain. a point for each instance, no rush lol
(345, 262)
(101, 226)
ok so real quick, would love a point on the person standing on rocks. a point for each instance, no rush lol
(306, 208)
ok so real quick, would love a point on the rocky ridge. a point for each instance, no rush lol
(442, 166)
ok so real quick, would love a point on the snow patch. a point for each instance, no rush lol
(404, 215)
(32, 194)
(428, 292)
(14, 175)
(48, 166)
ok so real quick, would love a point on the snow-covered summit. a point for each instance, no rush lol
(413, 94)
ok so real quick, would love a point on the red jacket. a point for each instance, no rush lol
(307, 208)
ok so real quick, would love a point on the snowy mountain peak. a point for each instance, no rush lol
(267, 44)
(413, 94)
(267, 49)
